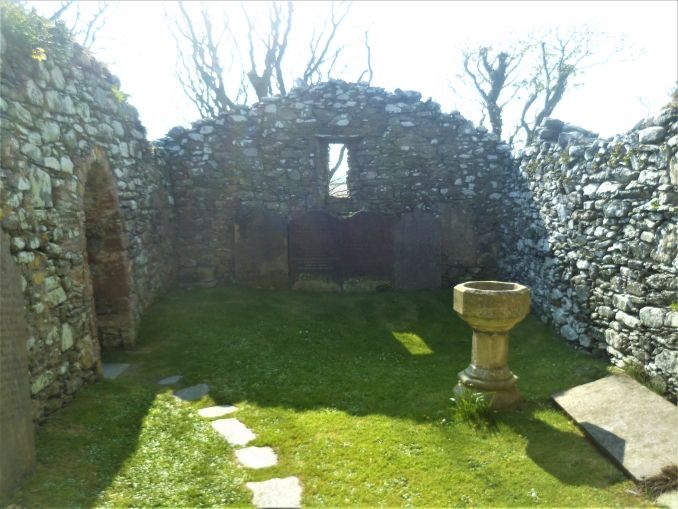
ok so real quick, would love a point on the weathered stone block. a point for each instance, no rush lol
(673, 170)
(652, 317)
(17, 450)
(66, 337)
(634, 426)
(367, 257)
(651, 134)
(667, 361)
(314, 264)
(552, 123)
(622, 302)
(41, 188)
(627, 320)
(459, 240)
(417, 241)
(261, 250)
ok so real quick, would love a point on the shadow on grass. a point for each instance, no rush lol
(305, 352)
(85, 445)
(565, 455)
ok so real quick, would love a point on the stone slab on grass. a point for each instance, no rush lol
(637, 428)
(113, 370)
(234, 431)
(668, 499)
(276, 492)
(257, 457)
(192, 393)
(216, 411)
(170, 380)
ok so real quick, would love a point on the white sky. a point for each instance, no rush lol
(415, 46)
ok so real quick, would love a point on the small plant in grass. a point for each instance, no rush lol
(661, 483)
(637, 371)
(473, 408)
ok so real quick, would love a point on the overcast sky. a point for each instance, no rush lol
(416, 46)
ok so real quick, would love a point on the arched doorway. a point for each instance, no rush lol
(107, 245)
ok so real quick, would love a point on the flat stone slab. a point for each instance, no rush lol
(633, 425)
(257, 457)
(668, 499)
(234, 431)
(276, 492)
(170, 380)
(113, 370)
(192, 393)
(216, 411)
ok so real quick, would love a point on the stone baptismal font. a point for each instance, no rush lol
(491, 308)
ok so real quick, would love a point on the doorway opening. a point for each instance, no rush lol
(107, 246)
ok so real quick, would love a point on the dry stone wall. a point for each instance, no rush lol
(592, 228)
(99, 221)
(403, 154)
(84, 209)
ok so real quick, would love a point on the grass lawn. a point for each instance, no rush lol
(353, 393)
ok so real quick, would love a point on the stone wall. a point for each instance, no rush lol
(99, 221)
(592, 228)
(403, 154)
(85, 211)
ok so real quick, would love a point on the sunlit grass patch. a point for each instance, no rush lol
(360, 415)
(414, 344)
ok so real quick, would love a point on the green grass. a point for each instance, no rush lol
(473, 408)
(353, 393)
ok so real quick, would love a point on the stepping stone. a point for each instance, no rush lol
(633, 425)
(257, 457)
(216, 411)
(113, 370)
(234, 431)
(192, 393)
(276, 492)
(169, 380)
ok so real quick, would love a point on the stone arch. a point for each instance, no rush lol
(108, 259)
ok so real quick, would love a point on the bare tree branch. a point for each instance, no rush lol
(89, 18)
(336, 166)
(316, 59)
(200, 70)
(64, 7)
(369, 58)
(553, 58)
(274, 45)
(92, 27)
(491, 76)
(202, 73)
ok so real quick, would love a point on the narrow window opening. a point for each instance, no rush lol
(338, 170)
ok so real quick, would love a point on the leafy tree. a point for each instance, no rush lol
(535, 72)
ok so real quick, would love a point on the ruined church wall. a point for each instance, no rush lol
(403, 153)
(62, 118)
(592, 228)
